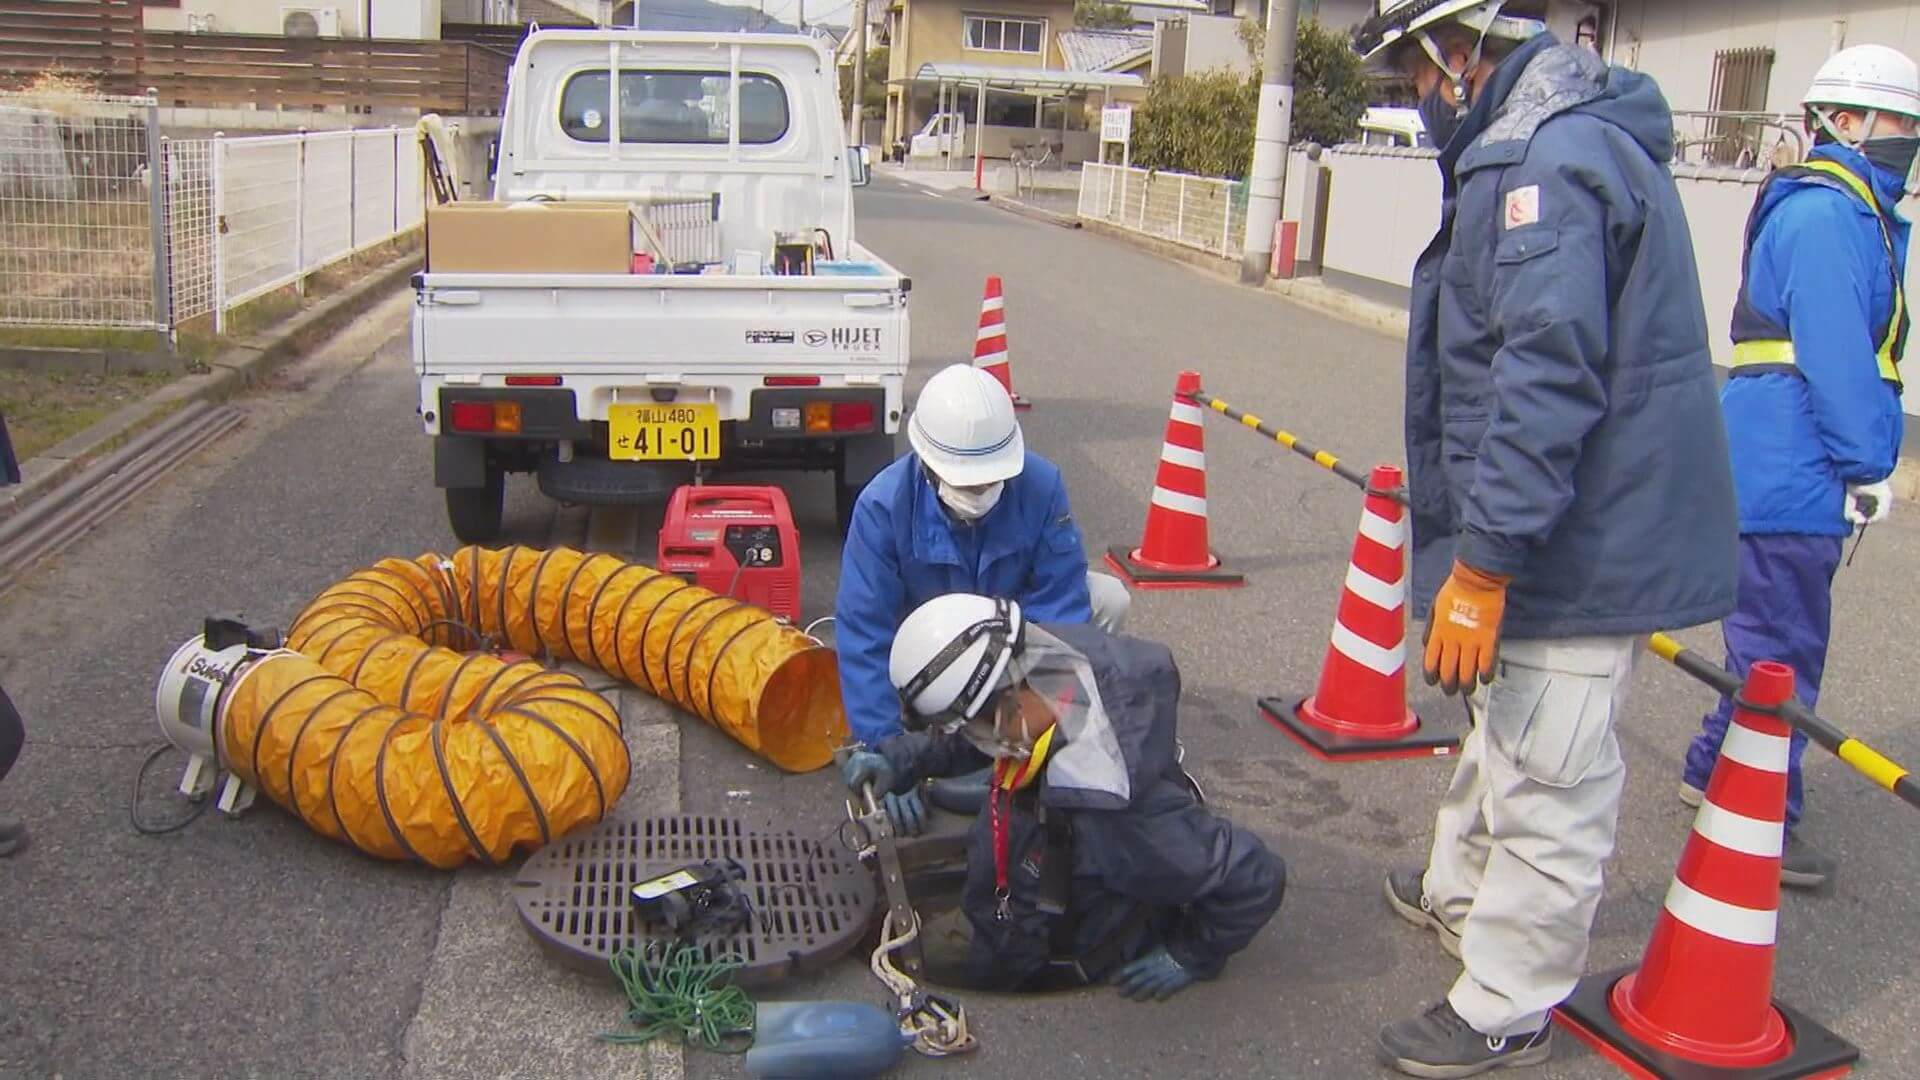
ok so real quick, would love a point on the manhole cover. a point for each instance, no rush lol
(811, 900)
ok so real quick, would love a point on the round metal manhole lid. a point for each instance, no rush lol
(812, 901)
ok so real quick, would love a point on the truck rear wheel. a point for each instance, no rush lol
(474, 512)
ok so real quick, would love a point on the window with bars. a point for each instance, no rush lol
(1740, 78)
(999, 33)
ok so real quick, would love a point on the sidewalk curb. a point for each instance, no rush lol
(1025, 209)
(233, 372)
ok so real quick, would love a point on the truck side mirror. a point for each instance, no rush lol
(859, 165)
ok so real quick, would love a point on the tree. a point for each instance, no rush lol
(1329, 81)
(876, 95)
(1101, 15)
(1200, 124)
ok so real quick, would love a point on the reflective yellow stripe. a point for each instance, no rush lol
(1325, 460)
(1762, 352)
(1870, 763)
(1889, 364)
(1250, 420)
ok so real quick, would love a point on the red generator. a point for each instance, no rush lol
(735, 541)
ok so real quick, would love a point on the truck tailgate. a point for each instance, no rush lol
(488, 324)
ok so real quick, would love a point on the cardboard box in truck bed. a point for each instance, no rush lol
(530, 238)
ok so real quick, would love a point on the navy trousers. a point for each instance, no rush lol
(1783, 611)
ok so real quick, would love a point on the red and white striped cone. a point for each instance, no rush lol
(1700, 1004)
(990, 344)
(1359, 711)
(1173, 551)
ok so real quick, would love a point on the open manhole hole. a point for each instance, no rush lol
(812, 901)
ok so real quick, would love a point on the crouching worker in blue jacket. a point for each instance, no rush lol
(969, 510)
(1092, 859)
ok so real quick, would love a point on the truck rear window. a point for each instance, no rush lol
(685, 107)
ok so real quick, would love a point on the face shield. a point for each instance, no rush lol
(1049, 686)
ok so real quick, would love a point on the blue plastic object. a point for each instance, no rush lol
(823, 1040)
(846, 268)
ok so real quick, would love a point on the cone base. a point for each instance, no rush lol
(1293, 716)
(1815, 1055)
(1140, 576)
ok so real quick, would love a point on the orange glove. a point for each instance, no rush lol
(1463, 632)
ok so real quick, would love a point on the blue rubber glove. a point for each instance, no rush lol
(908, 812)
(1156, 976)
(865, 766)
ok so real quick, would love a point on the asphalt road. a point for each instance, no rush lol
(253, 948)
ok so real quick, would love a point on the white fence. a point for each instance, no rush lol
(1196, 211)
(92, 235)
(280, 207)
(76, 243)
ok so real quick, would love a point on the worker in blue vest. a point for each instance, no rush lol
(970, 510)
(1813, 405)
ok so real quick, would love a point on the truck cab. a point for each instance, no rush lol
(667, 282)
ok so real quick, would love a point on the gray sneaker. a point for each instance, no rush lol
(1691, 795)
(1406, 894)
(1801, 867)
(13, 836)
(1440, 1045)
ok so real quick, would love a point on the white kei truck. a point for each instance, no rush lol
(704, 307)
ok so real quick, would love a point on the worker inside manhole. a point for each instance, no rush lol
(1091, 857)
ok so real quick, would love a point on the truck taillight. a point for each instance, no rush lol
(485, 417)
(819, 417)
(791, 380)
(852, 416)
(533, 380)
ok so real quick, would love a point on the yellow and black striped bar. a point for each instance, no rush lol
(1287, 439)
(1864, 759)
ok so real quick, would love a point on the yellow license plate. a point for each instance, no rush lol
(663, 432)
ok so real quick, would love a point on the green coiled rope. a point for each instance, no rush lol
(674, 990)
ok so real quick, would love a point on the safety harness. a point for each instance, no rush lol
(1761, 345)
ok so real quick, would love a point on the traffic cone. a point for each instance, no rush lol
(990, 344)
(1359, 712)
(1700, 1004)
(1173, 551)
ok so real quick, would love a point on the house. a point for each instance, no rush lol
(1021, 63)
(418, 20)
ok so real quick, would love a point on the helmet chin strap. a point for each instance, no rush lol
(1825, 116)
(1462, 90)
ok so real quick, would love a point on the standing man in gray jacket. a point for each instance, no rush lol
(1569, 485)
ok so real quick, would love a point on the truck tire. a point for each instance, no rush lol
(474, 512)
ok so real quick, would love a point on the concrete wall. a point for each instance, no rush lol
(1674, 40)
(1213, 42)
(1384, 206)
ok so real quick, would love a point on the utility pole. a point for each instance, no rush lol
(1271, 131)
(856, 115)
(803, 16)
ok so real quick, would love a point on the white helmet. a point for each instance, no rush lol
(963, 428)
(1396, 19)
(950, 654)
(1870, 78)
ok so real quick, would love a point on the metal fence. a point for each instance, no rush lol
(76, 211)
(92, 235)
(284, 206)
(1197, 211)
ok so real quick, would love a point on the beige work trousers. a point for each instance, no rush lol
(1526, 824)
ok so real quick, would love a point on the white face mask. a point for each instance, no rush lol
(971, 505)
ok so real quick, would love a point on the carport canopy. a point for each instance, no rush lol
(1013, 78)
